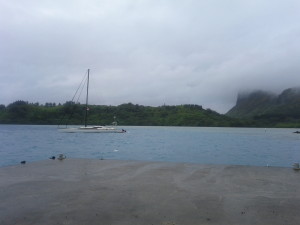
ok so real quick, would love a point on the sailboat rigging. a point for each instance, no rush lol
(91, 129)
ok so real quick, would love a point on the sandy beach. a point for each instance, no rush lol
(87, 191)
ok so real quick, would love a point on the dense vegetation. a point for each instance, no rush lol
(267, 109)
(22, 112)
(256, 109)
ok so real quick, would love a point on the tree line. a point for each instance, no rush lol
(23, 112)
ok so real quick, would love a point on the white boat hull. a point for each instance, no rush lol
(90, 129)
(95, 129)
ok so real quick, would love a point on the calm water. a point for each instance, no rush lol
(238, 146)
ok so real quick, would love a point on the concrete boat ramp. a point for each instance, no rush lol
(108, 192)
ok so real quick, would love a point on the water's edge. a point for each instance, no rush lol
(201, 145)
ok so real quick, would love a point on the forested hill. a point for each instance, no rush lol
(22, 112)
(270, 109)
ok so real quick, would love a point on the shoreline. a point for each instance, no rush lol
(93, 191)
(16, 165)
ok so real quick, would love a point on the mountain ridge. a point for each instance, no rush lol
(259, 103)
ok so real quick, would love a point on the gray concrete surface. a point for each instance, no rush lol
(83, 191)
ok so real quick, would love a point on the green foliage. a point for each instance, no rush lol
(21, 112)
(263, 109)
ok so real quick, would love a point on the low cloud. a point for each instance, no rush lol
(148, 52)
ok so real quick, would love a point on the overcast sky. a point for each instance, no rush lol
(149, 52)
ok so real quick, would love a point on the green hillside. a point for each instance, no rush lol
(262, 108)
(22, 112)
(256, 109)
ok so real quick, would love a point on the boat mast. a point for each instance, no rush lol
(87, 98)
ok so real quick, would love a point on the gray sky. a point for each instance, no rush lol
(149, 52)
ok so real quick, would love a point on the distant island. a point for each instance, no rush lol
(255, 109)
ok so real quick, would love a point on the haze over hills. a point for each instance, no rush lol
(254, 109)
(253, 103)
(262, 106)
(147, 52)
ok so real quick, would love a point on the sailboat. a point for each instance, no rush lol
(92, 129)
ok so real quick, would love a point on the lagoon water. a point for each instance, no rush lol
(235, 146)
